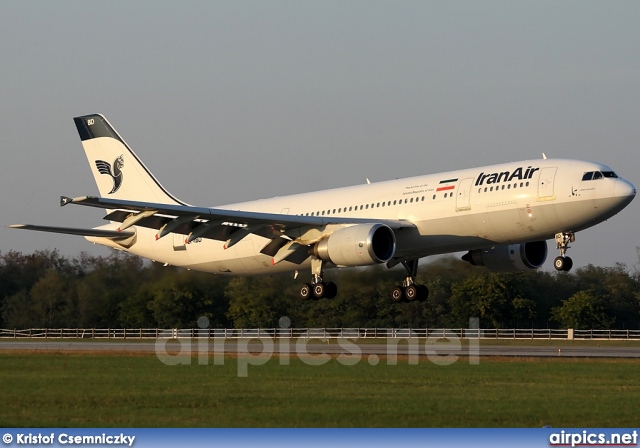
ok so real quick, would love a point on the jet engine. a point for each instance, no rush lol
(511, 258)
(358, 245)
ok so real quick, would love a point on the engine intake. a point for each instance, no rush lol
(358, 245)
(511, 258)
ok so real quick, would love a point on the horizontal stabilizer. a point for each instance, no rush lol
(74, 231)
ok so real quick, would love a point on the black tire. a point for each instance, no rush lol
(423, 293)
(306, 291)
(319, 290)
(559, 263)
(331, 290)
(568, 264)
(411, 293)
(397, 294)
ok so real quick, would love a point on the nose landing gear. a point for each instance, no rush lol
(563, 263)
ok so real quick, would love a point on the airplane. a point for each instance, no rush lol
(501, 215)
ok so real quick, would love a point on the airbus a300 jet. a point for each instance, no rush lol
(501, 215)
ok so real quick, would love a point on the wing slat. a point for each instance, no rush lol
(75, 231)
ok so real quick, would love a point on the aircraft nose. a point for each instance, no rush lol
(624, 189)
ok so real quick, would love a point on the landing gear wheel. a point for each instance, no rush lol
(319, 290)
(568, 263)
(397, 294)
(563, 263)
(306, 291)
(331, 290)
(423, 293)
(411, 293)
(558, 263)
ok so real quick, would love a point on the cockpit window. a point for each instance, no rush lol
(593, 175)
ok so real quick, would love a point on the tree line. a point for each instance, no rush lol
(47, 290)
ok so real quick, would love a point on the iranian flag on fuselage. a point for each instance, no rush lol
(447, 184)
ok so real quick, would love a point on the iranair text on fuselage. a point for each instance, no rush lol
(519, 173)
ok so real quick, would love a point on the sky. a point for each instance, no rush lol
(227, 101)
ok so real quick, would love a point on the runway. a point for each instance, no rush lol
(306, 347)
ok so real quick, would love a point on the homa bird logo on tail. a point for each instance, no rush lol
(116, 175)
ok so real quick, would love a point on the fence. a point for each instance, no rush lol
(316, 333)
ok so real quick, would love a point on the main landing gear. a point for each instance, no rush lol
(318, 289)
(409, 291)
(563, 263)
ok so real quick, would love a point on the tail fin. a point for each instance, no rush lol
(118, 172)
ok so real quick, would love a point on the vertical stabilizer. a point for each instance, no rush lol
(118, 172)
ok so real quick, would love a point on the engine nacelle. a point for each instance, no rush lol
(358, 245)
(514, 257)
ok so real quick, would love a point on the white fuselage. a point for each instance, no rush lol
(454, 211)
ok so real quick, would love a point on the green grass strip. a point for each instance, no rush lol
(62, 390)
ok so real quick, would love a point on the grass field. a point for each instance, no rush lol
(107, 390)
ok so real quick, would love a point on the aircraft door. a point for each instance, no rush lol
(545, 183)
(463, 199)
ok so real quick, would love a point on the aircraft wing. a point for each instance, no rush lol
(74, 231)
(230, 226)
